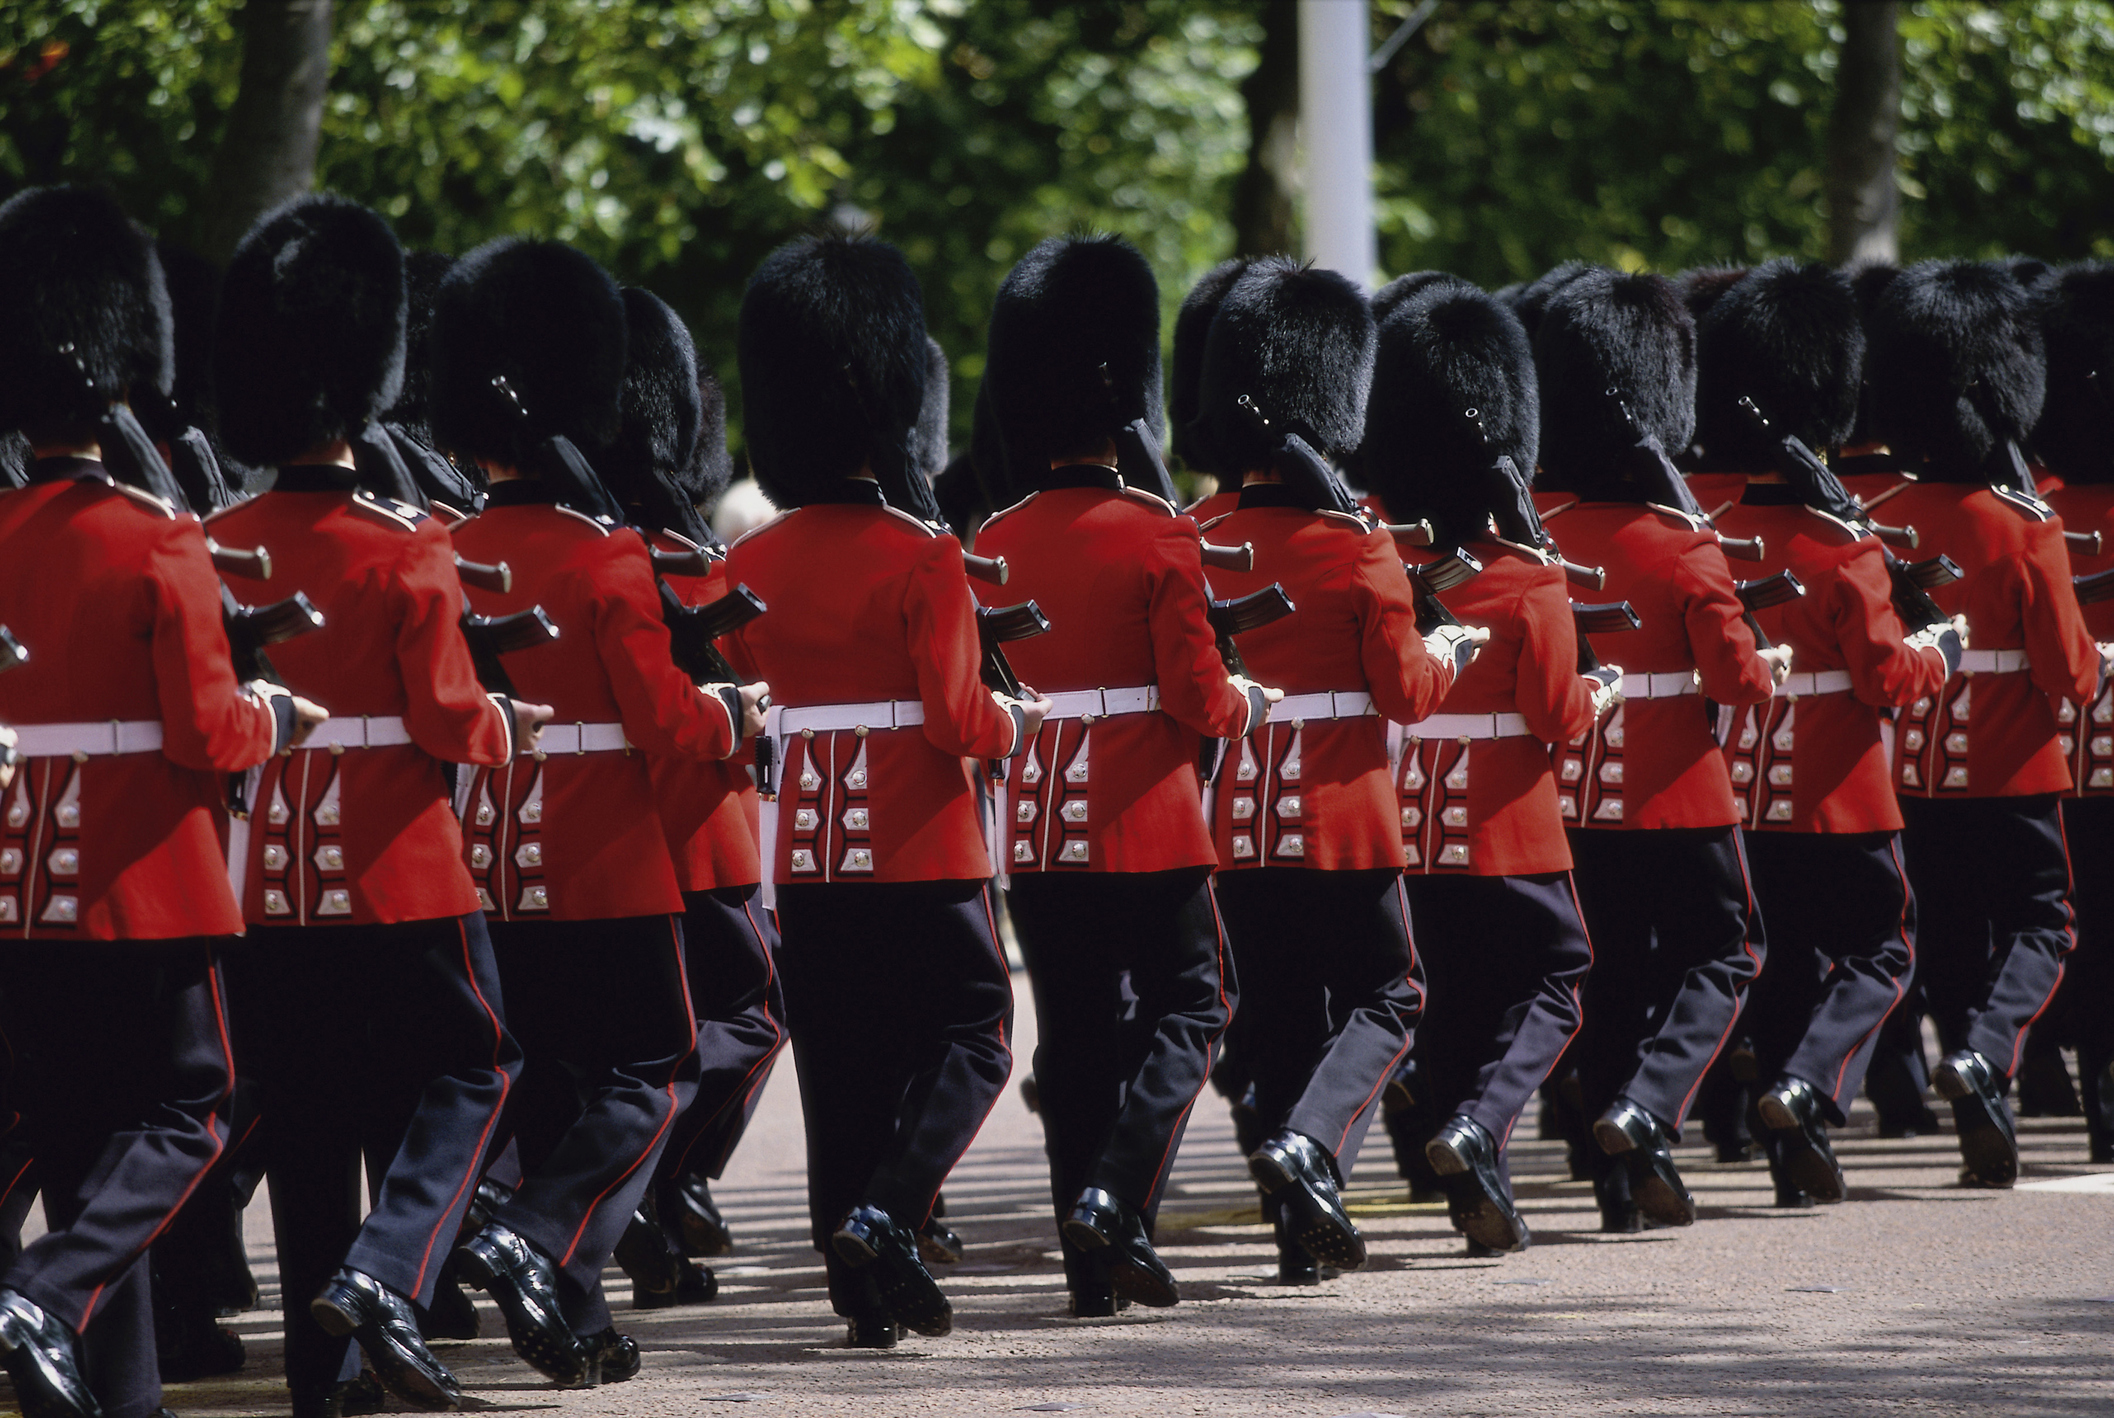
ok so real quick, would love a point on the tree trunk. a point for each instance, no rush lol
(1863, 203)
(268, 153)
(1263, 200)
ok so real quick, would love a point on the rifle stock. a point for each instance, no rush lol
(490, 636)
(680, 563)
(991, 570)
(1430, 580)
(995, 627)
(1245, 613)
(1411, 534)
(251, 628)
(692, 631)
(497, 578)
(2091, 590)
(252, 564)
(1609, 619)
(1240, 558)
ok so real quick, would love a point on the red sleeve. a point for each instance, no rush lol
(1407, 682)
(208, 721)
(1718, 638)
(939, 613)
(664, 714)
(2061, 651)
(1554, 699)
(447, 711)
(1194, 687)
(1884, 671)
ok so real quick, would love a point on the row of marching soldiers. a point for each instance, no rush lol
(545, 819)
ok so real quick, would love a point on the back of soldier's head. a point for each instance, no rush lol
(1955, 365)
(1610, 341)
(1185, 374)
(2075, 435)
(1297, 341)
(1789, 338)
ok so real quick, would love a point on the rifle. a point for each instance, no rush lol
(693, 629)
(497, 578)
(1913, 583)
(1762, 593)
(1609, 619)
(490, 636)
(1662, 482)
(560, 465)
(251, 628)
(2091, 590)
(1239, 616)
(1410, 534)
(1139, 462)
(1815, 482)
(997, 625)
(1240, 558)
(1456, 568)
(694, 562)
(254, 564)
(991, 570)
(1303, 469)
(2082, 543)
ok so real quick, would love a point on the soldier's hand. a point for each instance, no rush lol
(1456, 645)
(529, 720)
(1607, 688)
(308, 716)
(1033, 710)
(1779, 658)
(7, 757)
(2106, 661)
(755, 700)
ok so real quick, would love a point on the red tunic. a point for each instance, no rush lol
(365, 836)
(1320, 795)
(577, 836)
(1653, 762)
(1818, 762)
(1490, 807)
(1120, 578)
(113, 595)
(1992, 735)
(2087, 735)
(1713, 490)
(869, 604)
(708, 809)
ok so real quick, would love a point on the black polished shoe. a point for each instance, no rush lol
(40, 1357)
(1799, 1133)
(525, 1287)
(356, 1306)
(1100, 1222)
(939, 1243)
(698, 1286)
(611, 1357)
(1611, 1194)
(1294, 1265)
(646, 1258)
(364, 1394)
(1295, 1173)
(1096, 1304)
(874, 1331)
(1477, 1200)
(453, 1314)
(1633, 1137)
(870, 1236)
(703, 1229)
(192, 1344)
(1989, 1144)
(1247, 1121)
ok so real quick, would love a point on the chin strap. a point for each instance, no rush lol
(381, 468)
(132, 458)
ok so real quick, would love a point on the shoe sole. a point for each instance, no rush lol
(1805, 1166)
(913, 1302)
(1654, 1197)
(1484, 1219)
(401, 1374)
(1321, 1235)
(533, 1342)
(1989, 1154)
(705, 1239)
(1129, 1280)
(1611, 1139)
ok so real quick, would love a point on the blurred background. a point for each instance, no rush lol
(678, 142)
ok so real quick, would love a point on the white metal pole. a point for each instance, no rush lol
(1336, 136)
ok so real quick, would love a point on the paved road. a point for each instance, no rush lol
(1915, 1296)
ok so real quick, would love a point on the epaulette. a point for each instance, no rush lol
(1151, 499)
(918, 522)
(761, 527)
(2031, 508)
(1007, 511)
(145, 498)
(1686, 519)
(595, 522)
(388, 510)
(1856, 532)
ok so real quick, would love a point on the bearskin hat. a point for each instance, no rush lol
(1701, 286)
(194, 302)
(1401, 288)
(1185, 375)
(1533, 298)
(423, 273)
(1074, 350)
(309, 346)
(1956, 364)
(1447, 352)
(662, 411)
(2037, 276)
(1298, 340)
(546, 320)
(831, 349)
(2075, 436)
(84, 310)
(937, 408)
(1609, 331)
(1790, 338)
(711, 466)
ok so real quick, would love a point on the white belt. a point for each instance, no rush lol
(579, 738)
(368, 731)
(1819, 682)
(1658, 686)
(830, 718)
(1469, 726)
(1101, 703)
(1328, 704)
(95, 739)
(1993, 662)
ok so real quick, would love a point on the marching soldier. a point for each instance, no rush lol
(1451, 435)
(565, 845)
(895, 988)
(1779, 363)
(1979, 767)
(1190, 438)
(113, 886)
(1661, 873)
(1102, 828)
(1308, 836)
(366, 986)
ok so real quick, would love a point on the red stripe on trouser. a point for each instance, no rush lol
(1218, 926)
(1900, 989)
(2062, 832)
(1409, 937)
(1739, 992)
(754, 1079)
(469, 1178)
(1005, 1040)
(1577, 1006)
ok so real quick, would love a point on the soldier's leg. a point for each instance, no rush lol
(2032, 927)
(2088, 823)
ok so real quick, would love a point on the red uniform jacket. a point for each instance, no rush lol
(1995, 735)
(114, 597)
(565, 836)
(1206, 509)
(1118, 573)
(870, 604)
(708, 809)
(366, 835)
(1490, 807)
(1320, 795)
(1653, 763)
(1713, 490)
(1818, 762)
(2087, 732)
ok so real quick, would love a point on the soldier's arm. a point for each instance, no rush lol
(939, 618)
(1885, 670)
(2064, 659)
(447, 711)
(1194, 686)
(1552, 696)
(663, 712)
(1408, 682)
(209, 720)
(1732, 668)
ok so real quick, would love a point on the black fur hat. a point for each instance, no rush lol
(1629, 333)
(547, 320)
(1299, 341)
(1185, 374)
(711, 467)
(1869, 280)
(75, 271)
(1701, 286)
(1074, 350)
(423, 273)
(937, 408)
(1957, 364)
(309, 346)
(1533, 298)
(662, 412)
(831, 349)
(194, 301)
(1789, 337)
(1390, 296)
(1446, 350)
(2075, 436)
